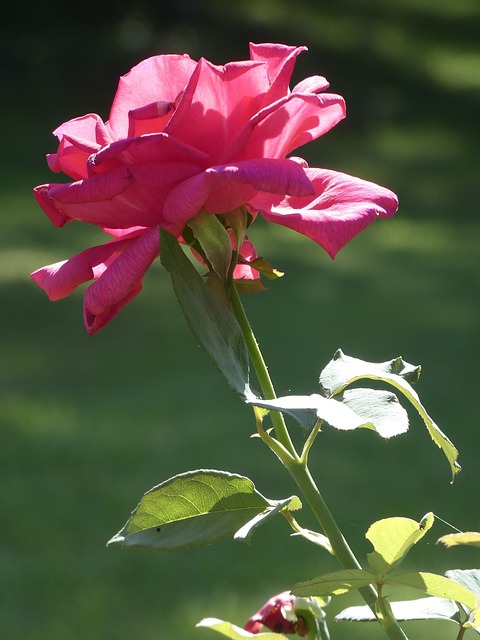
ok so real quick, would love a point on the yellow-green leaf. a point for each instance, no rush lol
(233, 632)
(335, 583)
(392, 539)
(436, 585)
(468, 537)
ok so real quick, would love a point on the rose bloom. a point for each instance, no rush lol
(184, 137)
(278, 615)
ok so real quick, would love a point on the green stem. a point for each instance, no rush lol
(461, 633)
(261, 370)
(300, 473)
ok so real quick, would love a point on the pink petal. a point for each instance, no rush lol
(224, 188)
(280, 60)
(150, 118)
(160, 78)
(126, 197)
(314, 84)
(62, 278)
(244, 271)
(222, 99)
(297, 120)
(78, 139)
(56, 215)
(341, 208)
(120, 282)
(155, 147)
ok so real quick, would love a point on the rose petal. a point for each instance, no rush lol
(120, 282)
(125, 197)
(41, 194)
(341, 208)
(78, 139)
(244, 271)
(224, 188)
(223, 99)
(157, 78)
(62, 278)
(298, 120)
(314, 84)
(154, 147)
(280, 60)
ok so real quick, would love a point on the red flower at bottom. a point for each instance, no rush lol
(278, 615)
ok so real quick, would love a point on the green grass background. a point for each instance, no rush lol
(89, 424)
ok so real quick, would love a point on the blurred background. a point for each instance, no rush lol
(89, 424)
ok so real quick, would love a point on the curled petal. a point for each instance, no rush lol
(224, 188)
(120, 282)
(78, 139)
(149, 148)
(62, 278)
(280, 60)
(149, 118)
(314, 84)
(125, 197)
(41, 194)
(297, 120)
(167, 76)
(341, 208)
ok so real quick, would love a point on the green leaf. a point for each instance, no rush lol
(421, 609)
(435, 585)
(468, 537)
(307, 409)
(215, 242)
(190, 510)
(392, 539)
(378, 408)
(233, 632)
(470, 578)
(211, 322)
(429, 608)
(344, 370)
(245, 533)
(335, 583)
(317, 538)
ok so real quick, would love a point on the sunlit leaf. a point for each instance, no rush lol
(211, 322)
(335, 583)
(435, 585)
(420, 609)
(233, 632)
(468, 537)
(392, 538)
(191, 510)
(245, 533)
(307, 409)
(469, 578)
(381, 409)
(344, 370)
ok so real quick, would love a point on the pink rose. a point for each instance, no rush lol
(186, 136)
(278, 615)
